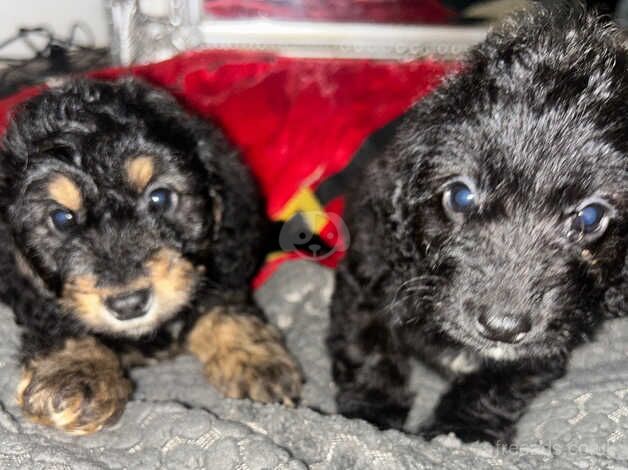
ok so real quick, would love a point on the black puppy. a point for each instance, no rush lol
(129, 228)
(491, 238)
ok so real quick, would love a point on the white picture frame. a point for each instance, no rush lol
(154, 30)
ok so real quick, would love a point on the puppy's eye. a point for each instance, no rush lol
(161, 200)
(459, 198)
(590, 220)
(590, 217)
(63, 219)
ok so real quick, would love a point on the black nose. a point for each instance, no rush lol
(506, 328)
(130, 304)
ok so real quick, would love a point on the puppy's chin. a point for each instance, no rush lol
(533, 348)
(492, 350)
(501, 352)
(504, 352)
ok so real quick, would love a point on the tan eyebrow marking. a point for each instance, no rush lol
(65, 192)
(140, 171)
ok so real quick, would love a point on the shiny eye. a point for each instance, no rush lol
(63, 219)
(161, 200)
(459, 197)
(589, 218)
(590, 221)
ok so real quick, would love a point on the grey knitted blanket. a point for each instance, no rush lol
(176, 420)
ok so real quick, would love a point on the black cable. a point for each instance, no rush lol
(51, 56)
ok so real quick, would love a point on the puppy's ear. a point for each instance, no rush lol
(616, 298)
(237, 211)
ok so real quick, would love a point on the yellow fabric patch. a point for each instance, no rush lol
(305, 203)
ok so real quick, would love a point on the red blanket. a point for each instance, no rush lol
(297, 121)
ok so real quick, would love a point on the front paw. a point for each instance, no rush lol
(79, 389)
(468, 432)
(267, 375)
(245, 358)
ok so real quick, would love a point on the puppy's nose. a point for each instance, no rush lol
(130, 304)
(506, 328)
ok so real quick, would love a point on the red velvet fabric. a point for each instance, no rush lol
(297, 121)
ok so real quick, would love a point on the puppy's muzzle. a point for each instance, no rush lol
(129, 305)
(506, 328)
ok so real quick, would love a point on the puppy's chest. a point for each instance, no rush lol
(449, 360)
(163, 344)
(458, 362)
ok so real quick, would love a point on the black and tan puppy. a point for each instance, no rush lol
(491, 238)
(129, 229)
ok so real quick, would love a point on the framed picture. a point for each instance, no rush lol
(149, 30)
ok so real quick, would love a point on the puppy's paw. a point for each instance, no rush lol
(79, 389)
(468, 433)
(265, 373)
(245, 358)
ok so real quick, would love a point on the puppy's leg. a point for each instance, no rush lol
(486, 405)
(243, 357)
(79, 388)
(370, 373)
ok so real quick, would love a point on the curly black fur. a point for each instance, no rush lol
(537, 121)
(89, 129)
(88, 132)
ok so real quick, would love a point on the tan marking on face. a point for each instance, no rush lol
(79, 388)
(140, 171)
(83, 298)
(170, 276)
(65, 192)
(244, 358)
(173, 279)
